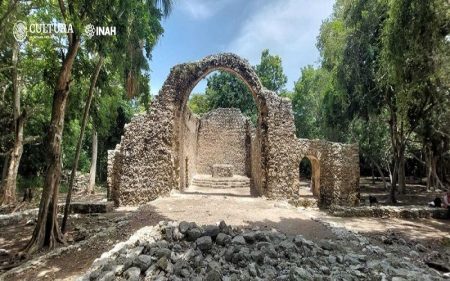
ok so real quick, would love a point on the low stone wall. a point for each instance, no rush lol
(403, 212)
(80, 181)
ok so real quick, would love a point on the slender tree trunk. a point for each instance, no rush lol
(373, 174)
(429, 172)
(401, 172)
(87, 107)
(437, 181)
(380, 172)
(91, 185)
(9, 184)
(395, 149)
(47, 232)
(393, 190)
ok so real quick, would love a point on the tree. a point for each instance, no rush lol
(93, 170)
(226, 90)
(270, 71)
(198, 103)
(9, 182)
(409, 70)
(80, 140)
(47, 232)
(307, 99)
(138, 40)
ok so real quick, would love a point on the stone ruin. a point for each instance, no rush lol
(170, 147)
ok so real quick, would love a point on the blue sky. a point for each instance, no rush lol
(197, 28)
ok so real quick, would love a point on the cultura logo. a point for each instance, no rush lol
(89, 30)
(20, 31)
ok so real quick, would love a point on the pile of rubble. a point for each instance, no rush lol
(185, 251)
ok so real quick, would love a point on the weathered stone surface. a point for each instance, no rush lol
(405, 212)
(160, 150)
(204, 243)
(223, 170)
(211, 230)
(223, 239)
(193, 233)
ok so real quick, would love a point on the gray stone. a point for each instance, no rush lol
(421, 248)
(223, 239)
(297, 273)
(249, 237)
(238, 240)
(193, 233)
(211, 230)
(143, 262)
(107, 276)
(183, 227)
(163, 252)
(213, 275)
(204, 243)
(162, 263)
(132, 273)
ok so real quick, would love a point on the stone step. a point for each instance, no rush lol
(210, 182)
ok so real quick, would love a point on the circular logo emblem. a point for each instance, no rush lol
(89, 30)
(20, 31)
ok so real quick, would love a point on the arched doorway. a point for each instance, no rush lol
(177, 89)
(309, 173)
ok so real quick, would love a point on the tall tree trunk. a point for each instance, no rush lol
(395, 161)
(87, 107)
(429, 167)
(8, 188)
(47, 232)
(92, 172)
(393, 190)
(401, 172)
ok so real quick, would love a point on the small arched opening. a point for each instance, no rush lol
(309, 174)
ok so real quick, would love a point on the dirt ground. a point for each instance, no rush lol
(205, 206)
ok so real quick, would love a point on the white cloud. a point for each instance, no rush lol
(201, 9)
(287, 28)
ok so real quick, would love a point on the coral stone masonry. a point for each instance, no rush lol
(168, 147)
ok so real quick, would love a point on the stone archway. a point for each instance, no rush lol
(150, 160)
(177, 89)
(315, 174)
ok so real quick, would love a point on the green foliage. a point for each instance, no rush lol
(198, 103)
(270, 71)
(226, 90)
(387, 68)
(307, 100)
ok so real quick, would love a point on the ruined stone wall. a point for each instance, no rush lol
(146, 163)
(281, 168)
(222, 140)
(339, 170)
(189, 147)
(152, 156)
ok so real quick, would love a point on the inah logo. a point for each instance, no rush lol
(20, 31)
(89, 30)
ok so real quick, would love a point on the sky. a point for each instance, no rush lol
(198, 28)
